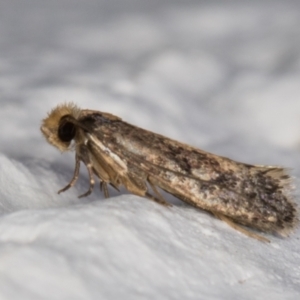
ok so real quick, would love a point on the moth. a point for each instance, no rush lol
(121, 154)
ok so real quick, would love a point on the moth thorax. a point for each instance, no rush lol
(66, 129)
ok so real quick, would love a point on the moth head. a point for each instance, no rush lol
(57, 128)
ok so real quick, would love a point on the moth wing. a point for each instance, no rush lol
(108, 163)
(251, 195)
(256, 196)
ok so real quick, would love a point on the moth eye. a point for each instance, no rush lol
(66, 131)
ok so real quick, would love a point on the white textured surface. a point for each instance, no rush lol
(220, 76)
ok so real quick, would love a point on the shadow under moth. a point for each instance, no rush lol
(121, 154)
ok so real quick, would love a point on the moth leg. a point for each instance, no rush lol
(241, 229)
(160, 199)
(104, 189)
(114, 186)
(75, 176)
(84, 156)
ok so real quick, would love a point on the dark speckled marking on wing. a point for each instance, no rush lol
(255, 196)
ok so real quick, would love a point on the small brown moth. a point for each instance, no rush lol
(121, 154)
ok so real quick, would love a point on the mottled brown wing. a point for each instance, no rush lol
(252, 195)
